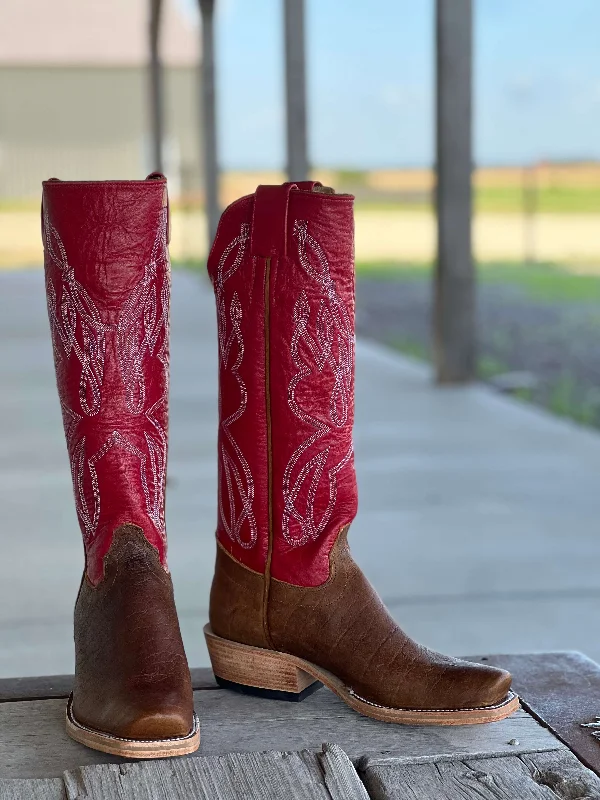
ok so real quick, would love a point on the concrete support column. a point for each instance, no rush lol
(209, 119)
(295, 91)
(156, 88)
(454, 314)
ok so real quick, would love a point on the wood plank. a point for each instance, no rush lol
(454, 286)
(40, 789)
(43, 688)
(540, 776)
(247, 776)
(563, 691)
(13, 689)
(203, 678)
(33, 742)
(341, 778)
(232, 722)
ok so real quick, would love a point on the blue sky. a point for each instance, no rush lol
(370, 75)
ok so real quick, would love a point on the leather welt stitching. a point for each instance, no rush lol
(509, 698)
(112, 737)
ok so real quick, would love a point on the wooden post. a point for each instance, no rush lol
(454, 301)
(209, 119)
(295, 91)
(156, 87)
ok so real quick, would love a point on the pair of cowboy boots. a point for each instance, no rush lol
(289, 608)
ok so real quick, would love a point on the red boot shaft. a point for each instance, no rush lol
(108, 283)
(283, 272)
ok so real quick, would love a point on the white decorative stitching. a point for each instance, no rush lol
(157, 449)
(76, 306)
(116, 439)
(331, 346)
(71, 420)
(236, 471)
(143, 319)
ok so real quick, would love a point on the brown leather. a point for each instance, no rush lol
(236, 602)
(131, 674)
(343, 627)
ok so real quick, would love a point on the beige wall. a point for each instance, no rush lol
(92, 123)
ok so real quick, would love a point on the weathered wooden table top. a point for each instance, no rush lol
(253, 748)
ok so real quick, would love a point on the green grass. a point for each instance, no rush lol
(539, 281)
(488, 366)
(567, 400)
(393, 270)
(544, 281)
(505, 200)
(193, 264)
(565, 200)
(567, 394)
(411, 348)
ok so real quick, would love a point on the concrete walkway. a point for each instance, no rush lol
(479, 518)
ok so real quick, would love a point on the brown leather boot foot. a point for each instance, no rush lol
(341, 634)
(133, 693)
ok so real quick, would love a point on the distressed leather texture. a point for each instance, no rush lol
(131, 674)
(237, 601)
(343, 627)
(108, 282)
(282, 266)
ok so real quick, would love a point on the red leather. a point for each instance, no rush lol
(282, 265)
(239, 286)
(108, 286)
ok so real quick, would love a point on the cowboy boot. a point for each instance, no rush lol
(108, 283)
(289, 608)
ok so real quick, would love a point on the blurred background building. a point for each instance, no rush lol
(74, 94)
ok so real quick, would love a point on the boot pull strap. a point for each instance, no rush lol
(305, 186)
(269, 220)
(158, 176)
(50, 180)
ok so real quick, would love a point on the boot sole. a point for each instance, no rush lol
(132, 748)
(269, 673)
